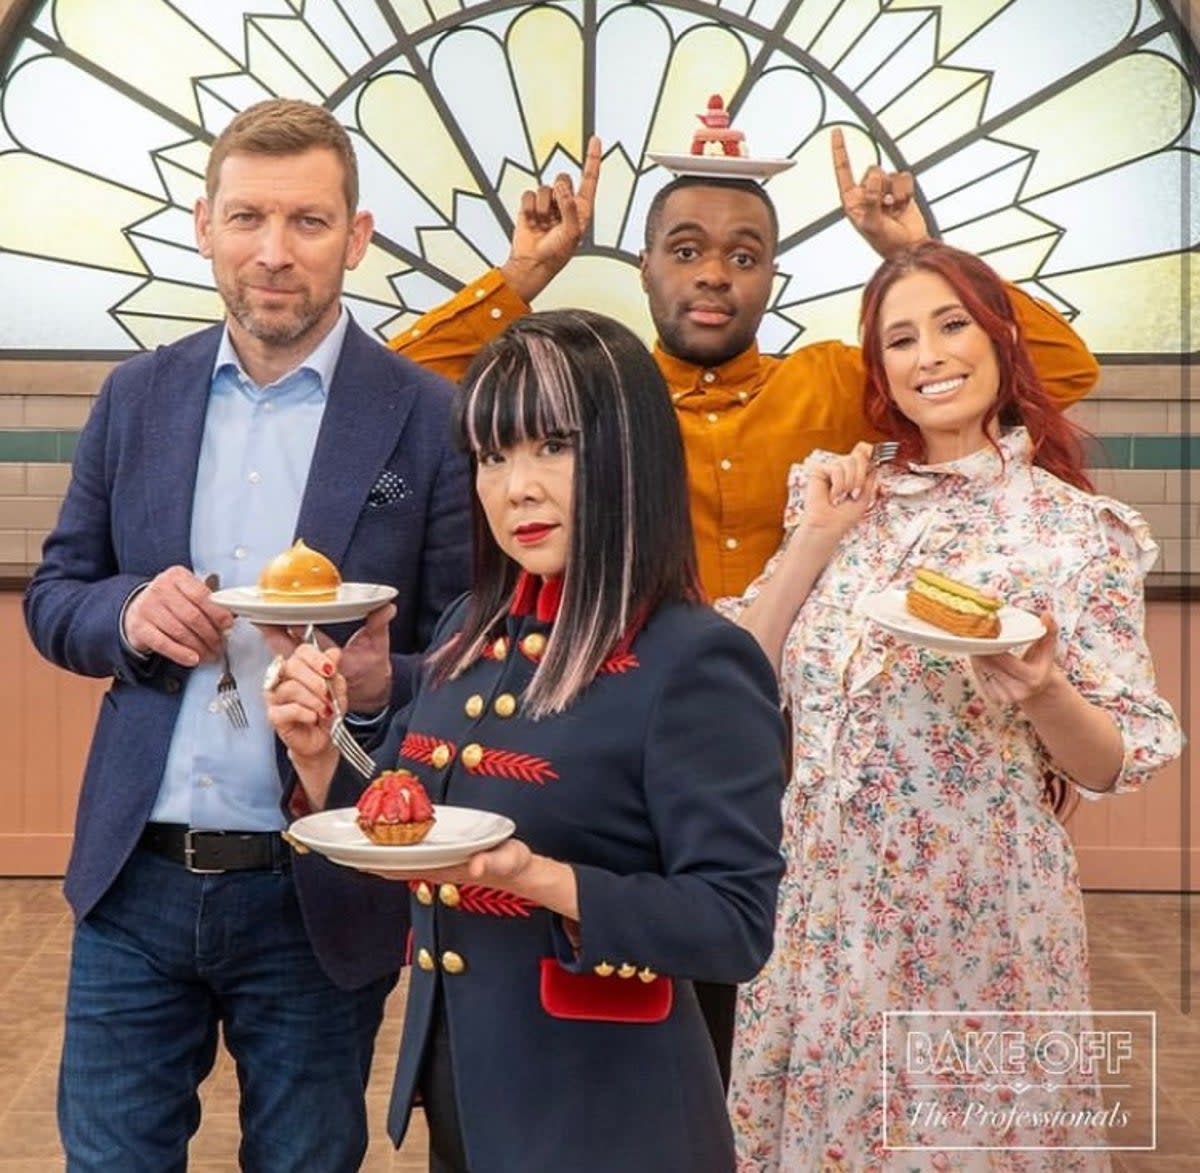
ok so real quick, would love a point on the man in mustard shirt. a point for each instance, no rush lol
(707, 268)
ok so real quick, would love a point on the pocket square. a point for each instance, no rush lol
(388, 488)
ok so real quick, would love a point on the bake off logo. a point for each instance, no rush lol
(1028, 1081)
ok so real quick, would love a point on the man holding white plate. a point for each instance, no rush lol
(207, 458)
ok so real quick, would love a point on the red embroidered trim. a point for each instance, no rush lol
(620, 662)
(485, 901)
(504, 763)
(419, 747)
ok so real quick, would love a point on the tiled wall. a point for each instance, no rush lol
(1147, 420)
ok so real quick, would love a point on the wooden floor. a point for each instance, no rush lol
(1138, 963)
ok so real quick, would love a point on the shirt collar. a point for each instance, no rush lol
(982, 467)
(685, 377)
(322, 360)
(539, 597)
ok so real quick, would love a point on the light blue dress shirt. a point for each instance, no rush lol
(254, 459)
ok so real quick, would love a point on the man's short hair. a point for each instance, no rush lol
(284, 126)
(654, 215)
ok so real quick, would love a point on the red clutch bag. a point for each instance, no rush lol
(589, 997)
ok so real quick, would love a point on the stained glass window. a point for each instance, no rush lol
(1055, 137)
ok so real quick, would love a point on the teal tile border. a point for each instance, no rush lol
(37, 445)
(57, 446)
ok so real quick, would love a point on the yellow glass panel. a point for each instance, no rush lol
(150, 47)
(937, 89)
(707, 60)
(514, 181)
(451, 252)
(956, 20)
(371, 279)
(1133, 308)
(847, 25)
(275, 70)
(1000, 229)
(605, 285)
(810, 18)
(299, 43)
(1019, 262)
(182, 169)
(958, 118)
(809, 190)
(617, 178)
(150, 332)
(173, 299)
(546, 52)
(396, 113)
(1133, 107)
(832, 317)
(413, 14)
(443, 8)
(50, 210)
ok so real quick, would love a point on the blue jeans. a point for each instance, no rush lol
(163, 959)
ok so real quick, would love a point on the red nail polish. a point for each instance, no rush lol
(327, 669)
(329, 710)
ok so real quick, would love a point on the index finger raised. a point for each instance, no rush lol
(841, 162)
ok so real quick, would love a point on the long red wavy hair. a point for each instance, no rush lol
(1058, 445)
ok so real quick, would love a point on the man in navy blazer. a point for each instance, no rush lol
(208, 456)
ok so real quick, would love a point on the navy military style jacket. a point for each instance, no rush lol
(661, 786)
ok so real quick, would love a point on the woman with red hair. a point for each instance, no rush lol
(927, 873)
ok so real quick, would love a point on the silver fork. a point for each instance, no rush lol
(341, 737)
(228, 696)
(883, 452)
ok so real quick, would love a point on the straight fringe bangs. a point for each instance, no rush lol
(531, 385)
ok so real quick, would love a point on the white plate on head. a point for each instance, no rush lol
(1017, 628)
(458, 832)
(354, 600)
(722, 166)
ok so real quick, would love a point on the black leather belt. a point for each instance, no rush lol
(216, 851)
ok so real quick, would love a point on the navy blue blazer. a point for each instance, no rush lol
(661, 786)
(126, 517)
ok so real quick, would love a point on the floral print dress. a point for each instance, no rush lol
(924, 868)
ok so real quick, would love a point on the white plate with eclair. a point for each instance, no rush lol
(944, 615)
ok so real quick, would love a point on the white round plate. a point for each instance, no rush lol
(354, 600)
(458, 832)
(726, 166)
(1017, 627)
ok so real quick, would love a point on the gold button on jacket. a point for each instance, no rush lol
(604, 969)
(505, 704)
(627, 970)
(440, 755)
(474, 705)
(424, 893)
(424, 959)
(472, 755)
(448, 895)
(452, 962)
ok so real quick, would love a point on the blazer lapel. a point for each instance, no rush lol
(173, 430)
(363, 419)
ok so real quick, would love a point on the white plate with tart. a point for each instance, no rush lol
(352, 600)
(1018, 628)
(457, 833)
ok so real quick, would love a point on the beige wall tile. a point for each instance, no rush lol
(12, 411)
(1120, 416)
(12, 480)
(56, 411)
(12, 546)
(1183, 417)
(1136, 381)
(52, 377)
(1171, 521)
(28, 512)
(1183, 485)
(1137, 486)
(47, 480)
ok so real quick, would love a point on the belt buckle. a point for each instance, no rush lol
(189, 854)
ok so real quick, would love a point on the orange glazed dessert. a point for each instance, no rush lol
(395, 810)
(299, 575)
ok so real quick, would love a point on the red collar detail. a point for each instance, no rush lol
(536, 596)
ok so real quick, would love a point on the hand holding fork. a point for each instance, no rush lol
(228, 696)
